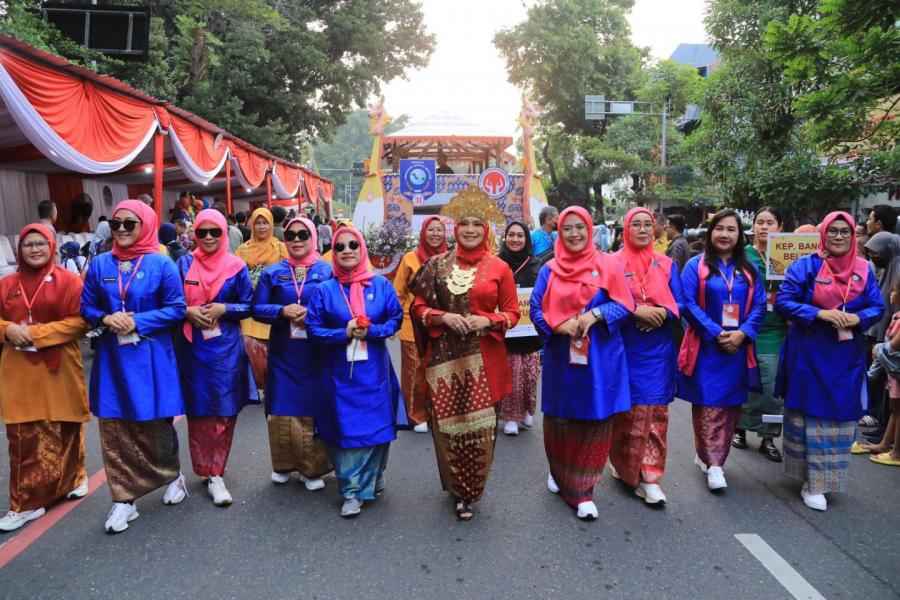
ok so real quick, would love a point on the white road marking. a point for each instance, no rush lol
(792, 581)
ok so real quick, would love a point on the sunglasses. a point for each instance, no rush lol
(127, 224)
(202, 233)
(302, 235)
(339, 247)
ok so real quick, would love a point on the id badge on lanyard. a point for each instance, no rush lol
(579, 351)
(357, 350)
(731, 311)
(298, 332)
(209, 334)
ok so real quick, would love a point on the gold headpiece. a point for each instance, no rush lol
(473, 202)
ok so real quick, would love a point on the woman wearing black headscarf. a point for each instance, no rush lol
(523, 352)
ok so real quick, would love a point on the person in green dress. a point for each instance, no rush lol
(767, 219)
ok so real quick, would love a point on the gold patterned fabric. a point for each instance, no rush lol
(294, 447)
(46, 462)
(139, 456)
(464, 461)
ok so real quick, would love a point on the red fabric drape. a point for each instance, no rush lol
(288, 176)
(253, 166)
(63, 190)
(199, 143)
(98, 123)
(310, 181)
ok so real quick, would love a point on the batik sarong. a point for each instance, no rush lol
(359, 470)
(139, 456)
(412, 383)
(46, 462)
(817, 451)
(764, 403)
(258, 353)
(639, 443)
(577, 451)
(525, 369)
(209, 439)
(294, 447)
(713, 430)
(464, 461)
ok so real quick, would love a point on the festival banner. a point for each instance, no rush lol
(525, 327)
(784, 248)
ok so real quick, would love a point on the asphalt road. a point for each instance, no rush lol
(286, 542)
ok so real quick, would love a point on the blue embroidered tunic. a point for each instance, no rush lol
(294, 376)
(135, 381)
(215, 372)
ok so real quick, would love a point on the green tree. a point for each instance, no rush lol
(277, 73)
(751, 142)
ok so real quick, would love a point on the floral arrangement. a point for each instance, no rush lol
(390, 239)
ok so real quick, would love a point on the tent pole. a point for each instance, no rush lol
(228, 185)
(268, 190)
(158, 174)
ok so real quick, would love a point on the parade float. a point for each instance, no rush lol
(404, 182)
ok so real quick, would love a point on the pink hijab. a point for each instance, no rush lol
(147, 242)
(209, 272)
(311, 258)
(359, 277)
(647, 271)
(846, 275)
(576, 276)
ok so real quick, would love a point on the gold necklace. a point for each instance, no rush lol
(460, 280)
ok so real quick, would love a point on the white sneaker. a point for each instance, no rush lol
(650, 492)
(351, 508)
(613, 472)
(699, 463)
(551, 484)
(79, 492)
(120, 515)
(528, 421)
(587, 511)
(511, 428)
(218, 492)
(280, 478)
(421, 428)
(814, 501)
(176, 492)
(715, 478)
(13, 520)
(312, 484)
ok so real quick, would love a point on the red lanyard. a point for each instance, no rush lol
(846, 293)
(123, 293)
(299, 289)
(29, 302)
(346, 299)
(730, 282)
(643, 284)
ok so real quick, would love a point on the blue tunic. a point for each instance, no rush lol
(294, 376)
(652, 356)
(818, 375)
(135, 381)
(595, 391)
(215, 372)
(720, 379)
(362, 411)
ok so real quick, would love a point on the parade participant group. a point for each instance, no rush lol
(618, 336)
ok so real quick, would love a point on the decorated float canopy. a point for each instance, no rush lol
(66, 131)
(414, 172)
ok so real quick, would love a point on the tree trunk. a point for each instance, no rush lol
(551, 166)
(598, 200)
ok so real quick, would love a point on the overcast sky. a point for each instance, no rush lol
(467, 77)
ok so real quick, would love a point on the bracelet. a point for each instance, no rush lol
(426, 317)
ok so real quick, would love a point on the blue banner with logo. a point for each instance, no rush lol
(417, 178)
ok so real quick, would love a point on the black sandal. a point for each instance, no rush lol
(465, 511)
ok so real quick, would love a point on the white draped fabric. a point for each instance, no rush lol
(191, 169)
(20, 194)
(279, 188)
(236, 171)
(51, 145)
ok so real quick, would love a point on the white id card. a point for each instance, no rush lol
(209, 334)
(845, 334)
(770, 301)
(298, 332)
(730, 314)
(25, 348)
(131, 338)
(578, 351)
(357, 350)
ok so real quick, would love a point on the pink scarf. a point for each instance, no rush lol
(311, 258)
(576, 276)
(209, 272)
(647, 271)
(357, 278)
(846, 275)
(147, 242)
